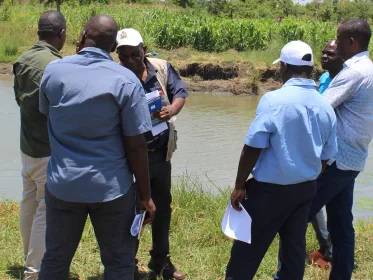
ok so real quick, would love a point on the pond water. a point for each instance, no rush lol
(211, 134)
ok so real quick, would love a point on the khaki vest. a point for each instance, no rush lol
(162, 76)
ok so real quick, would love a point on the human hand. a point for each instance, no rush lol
(166, 113)
(149, 206)
(236, 197)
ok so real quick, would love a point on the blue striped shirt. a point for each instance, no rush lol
(351, 95)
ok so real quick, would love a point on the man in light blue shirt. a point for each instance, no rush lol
(97, 114)
(289, 142)
(351, 95)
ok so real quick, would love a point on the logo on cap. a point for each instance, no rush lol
(123, 34)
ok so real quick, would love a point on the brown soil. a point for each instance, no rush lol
(209, 71)
(230, 87)
(240, 79)
(243, 78)
(6, 69)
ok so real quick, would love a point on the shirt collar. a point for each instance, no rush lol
(300, 82)
(42, 44)
(91, 51)
(356, 58)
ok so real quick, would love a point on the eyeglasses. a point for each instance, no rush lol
(132, 56)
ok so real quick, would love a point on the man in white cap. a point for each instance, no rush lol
(286, 148)
(157, 74)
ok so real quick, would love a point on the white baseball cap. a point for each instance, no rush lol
(293, 53)
(129, 37)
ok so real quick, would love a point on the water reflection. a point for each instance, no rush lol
(211, 134)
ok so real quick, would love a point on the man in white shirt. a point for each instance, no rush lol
(351, 95)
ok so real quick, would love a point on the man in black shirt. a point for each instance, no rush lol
(157, 74)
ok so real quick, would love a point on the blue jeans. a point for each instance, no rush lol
(111, 222)
(335, 191)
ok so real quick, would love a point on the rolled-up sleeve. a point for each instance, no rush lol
(330, 148)
(261, 128)
(343, 87)
(175, 85)
(43, 100)
(135, 116)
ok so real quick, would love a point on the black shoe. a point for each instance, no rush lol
(163, 266)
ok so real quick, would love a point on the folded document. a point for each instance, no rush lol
(237, 224)
(137, 225)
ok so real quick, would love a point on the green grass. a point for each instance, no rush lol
(198, 246)
(166, 28)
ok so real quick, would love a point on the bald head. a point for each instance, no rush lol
(101, 32)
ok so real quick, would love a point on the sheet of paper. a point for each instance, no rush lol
(152, 95)
(137, 225)
(135, 228)
(237, 224)
(159, 128)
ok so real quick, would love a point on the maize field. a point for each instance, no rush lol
(168, 28)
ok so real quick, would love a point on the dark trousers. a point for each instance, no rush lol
(160, 184)
(335, 190)
(274, 209)
(111, 222)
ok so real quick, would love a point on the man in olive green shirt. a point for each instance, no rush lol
(35, 150)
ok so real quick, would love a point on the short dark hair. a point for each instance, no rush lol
(358, 29)
(50, 24)
(299, 70)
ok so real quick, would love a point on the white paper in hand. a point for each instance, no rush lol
(237, 224)
(137, 225)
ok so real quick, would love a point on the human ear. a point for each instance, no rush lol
(80, 43)
(115, 46)
(62, 34)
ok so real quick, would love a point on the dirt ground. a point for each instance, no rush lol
(215, 79)
(230, 87)
(6, 69)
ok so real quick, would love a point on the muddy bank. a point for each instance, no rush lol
(240, 78)
(6, 69)
(230, 87)
(237, 79)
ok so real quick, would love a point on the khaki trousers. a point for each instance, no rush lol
(32, 219)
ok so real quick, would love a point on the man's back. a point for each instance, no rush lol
(28, 71)
(351, 94)
(91, 102)
(300, 123)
